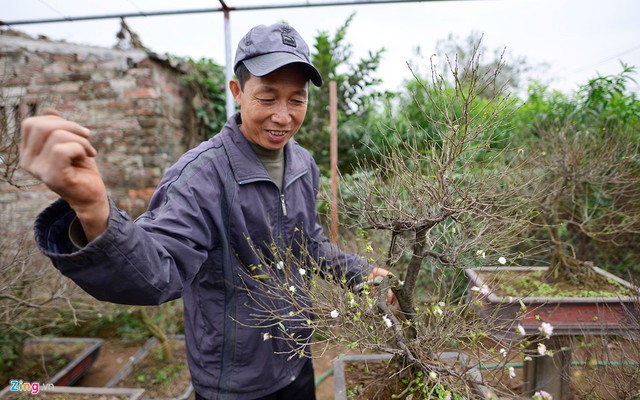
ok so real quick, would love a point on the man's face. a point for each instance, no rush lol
(272, 106)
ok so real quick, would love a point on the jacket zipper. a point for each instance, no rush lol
(284, 205)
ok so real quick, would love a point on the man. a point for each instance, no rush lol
(244, 190)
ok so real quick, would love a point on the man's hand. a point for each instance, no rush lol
(381, 272)
(58, 152)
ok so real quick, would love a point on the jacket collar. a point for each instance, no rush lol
(244, 162)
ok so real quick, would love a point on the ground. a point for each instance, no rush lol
(114, 355)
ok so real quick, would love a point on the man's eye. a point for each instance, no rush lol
(265, 100)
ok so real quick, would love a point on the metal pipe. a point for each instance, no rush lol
(228, 70)
(211, 10)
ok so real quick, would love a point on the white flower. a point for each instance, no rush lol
(481, 253)
(512, 373)
(387, 321)
(302, 271)
(433, 375)
(266, 336)
(503, 351)
(447, 397)
(352, 303)
(546, 329)
(542, 395)
(437, 311)
(334, 314)
(280, 265)
(483, 290)
(502, 260)
(292, 289)
(542, 349)
(521, 330)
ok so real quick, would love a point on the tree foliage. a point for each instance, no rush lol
(510, 76)
(587, 149)
(355, 80)
(207, 81)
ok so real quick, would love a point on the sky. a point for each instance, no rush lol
(577, 39)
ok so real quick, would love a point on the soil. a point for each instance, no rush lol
(322, 366)
(160, 377)
(371, 381)
(514, 283)
(383, 380)
(113, 356)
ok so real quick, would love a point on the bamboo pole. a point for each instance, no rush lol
(333, 147)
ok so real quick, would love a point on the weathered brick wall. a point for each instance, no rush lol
(134, 104)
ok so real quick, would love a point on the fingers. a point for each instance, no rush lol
(51, 111)
(40, 133)
(391, 298)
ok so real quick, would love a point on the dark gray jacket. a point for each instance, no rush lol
(193, 242)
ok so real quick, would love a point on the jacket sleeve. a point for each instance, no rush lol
(332, 260)
(145, 262)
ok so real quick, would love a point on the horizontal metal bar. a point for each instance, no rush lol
(209, 10)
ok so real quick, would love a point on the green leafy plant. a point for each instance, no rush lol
(587, 157)
(207, 81)
(356, 83)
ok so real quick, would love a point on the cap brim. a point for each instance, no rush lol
(267, 63)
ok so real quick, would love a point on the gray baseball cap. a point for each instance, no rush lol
(266, 48)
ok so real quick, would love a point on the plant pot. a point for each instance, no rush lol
(181, 386)
(81, 352)
(78, 393)
(340, 377)
(568, 315)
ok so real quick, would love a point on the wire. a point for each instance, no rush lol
(53, 9)
(135, 6)
(607, 59)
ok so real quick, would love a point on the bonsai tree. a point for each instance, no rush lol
(587, 157)
(445, 196)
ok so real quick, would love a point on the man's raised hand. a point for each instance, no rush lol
(59, 153)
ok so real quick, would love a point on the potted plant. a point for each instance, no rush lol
(436, 194)
(586, 214)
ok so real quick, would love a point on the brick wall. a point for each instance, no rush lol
(132, 101)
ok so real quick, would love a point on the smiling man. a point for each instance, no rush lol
(250, 186)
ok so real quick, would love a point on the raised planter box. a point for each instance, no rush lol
(340, 379)
(185, 391)
(72, 371)
(568, 315)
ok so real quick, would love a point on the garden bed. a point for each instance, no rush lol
(55, 361)
(616, 314)
(79, 393)
(376, 377)
(161, 379)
